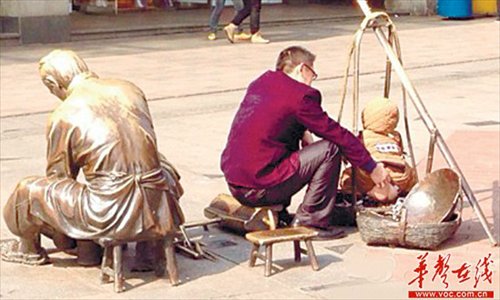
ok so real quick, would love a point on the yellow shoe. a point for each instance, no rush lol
(242, 36)
(212, 36)
(229, 31)
(258, 39)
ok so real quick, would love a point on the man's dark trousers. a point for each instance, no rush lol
(320, 168)
(251, 8)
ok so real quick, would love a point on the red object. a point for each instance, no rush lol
(126, 4)
(267, 128)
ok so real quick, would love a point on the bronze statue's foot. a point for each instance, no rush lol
(73, 252)
(9, 251)
(63, 242)
(89, 253)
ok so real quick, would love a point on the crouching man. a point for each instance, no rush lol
(263, 163)
(103, 128)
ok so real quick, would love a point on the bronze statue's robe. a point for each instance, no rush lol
(103, 128)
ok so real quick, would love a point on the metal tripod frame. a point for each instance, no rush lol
(376, 21)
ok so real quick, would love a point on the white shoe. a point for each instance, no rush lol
(242, 36)
(258, 39)
(229, 31)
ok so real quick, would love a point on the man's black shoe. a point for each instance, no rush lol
(330, 233)
(285, 218)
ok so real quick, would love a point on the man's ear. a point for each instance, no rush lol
(50, 81)
(298, 68)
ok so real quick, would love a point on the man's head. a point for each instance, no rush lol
(58, 68)
(298, 63)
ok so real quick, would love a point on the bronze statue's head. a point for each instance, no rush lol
(59, 68)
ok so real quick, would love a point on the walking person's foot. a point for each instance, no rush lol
(242, 36)
(212, 36)
(258, 39)
(229, 31)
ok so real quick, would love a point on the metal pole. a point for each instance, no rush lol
(429, 123)
(430, 154)
(388, 69)
(355, 100)
(355, 94)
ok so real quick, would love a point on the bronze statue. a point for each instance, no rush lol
(103, 128)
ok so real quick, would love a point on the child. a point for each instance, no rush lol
(380, 118)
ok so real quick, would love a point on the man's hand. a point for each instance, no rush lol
(307, 139)
(380, 176)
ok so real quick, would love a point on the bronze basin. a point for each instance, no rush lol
(434, 198)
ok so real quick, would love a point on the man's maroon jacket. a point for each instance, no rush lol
(261, 149)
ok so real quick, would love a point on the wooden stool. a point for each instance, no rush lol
(268, 237)
(114, 269)
(240, 217)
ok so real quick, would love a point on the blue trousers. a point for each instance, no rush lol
(217, 11)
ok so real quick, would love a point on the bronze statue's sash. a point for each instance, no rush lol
(112, 182)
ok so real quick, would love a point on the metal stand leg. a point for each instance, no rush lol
(426, 118)
(430, 154)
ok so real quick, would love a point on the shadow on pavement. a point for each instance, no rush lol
(471, 230)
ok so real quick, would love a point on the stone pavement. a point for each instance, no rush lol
(106, 25)
(140, 23)
(194, 93)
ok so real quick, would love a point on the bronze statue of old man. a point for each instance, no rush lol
(104, 129)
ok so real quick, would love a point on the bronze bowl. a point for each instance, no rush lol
(434, 198)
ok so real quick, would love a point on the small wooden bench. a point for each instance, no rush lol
(112, 264)
(267, 238)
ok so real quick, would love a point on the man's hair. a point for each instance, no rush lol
(62, 66)
(293, 56)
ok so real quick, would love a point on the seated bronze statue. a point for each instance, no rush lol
(104, 129)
